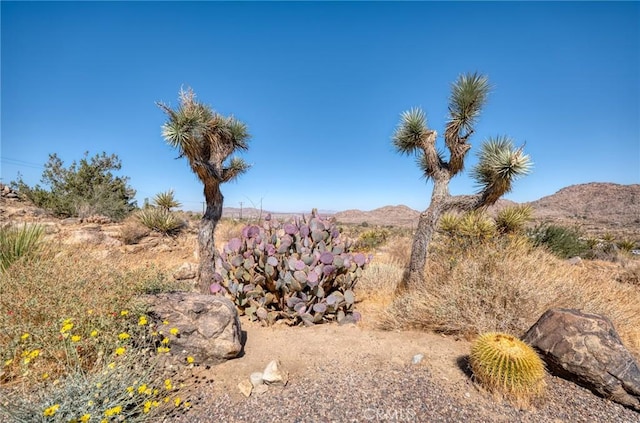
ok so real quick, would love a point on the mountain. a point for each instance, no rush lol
(595, 207)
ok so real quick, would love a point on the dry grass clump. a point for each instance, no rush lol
(132, 231)
(227, 229)
(505, 285)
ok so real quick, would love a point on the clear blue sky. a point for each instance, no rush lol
(321, 87)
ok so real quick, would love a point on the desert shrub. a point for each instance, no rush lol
(626, 245)
(76, 342)
(371, 239)
(563, 242)
(160, 220)
(513, 219)
(630, 273)
(505, 286)
(300, 271)
(132, 231)
(17, 242)
(468, 228)
(83, 189)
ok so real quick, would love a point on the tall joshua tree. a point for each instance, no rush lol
(500, 163)
(207, 139)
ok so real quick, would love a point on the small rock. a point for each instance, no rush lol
(256, 379)
(186, 271)
(245, 387)
(261, 389)
(576, 261)
(417, 359)
(273, 374)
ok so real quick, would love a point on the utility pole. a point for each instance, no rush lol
(241, 210)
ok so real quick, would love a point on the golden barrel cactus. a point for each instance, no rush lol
(504, 364)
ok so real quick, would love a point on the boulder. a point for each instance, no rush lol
(205, 327)
(586, 349)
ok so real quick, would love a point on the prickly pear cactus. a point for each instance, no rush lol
(504, 364)
(301, 271)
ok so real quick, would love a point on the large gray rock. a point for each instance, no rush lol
(586, 349)
(208, 328)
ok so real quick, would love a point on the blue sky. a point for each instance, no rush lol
(321, 87)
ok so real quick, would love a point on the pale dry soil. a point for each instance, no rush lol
(354, 373)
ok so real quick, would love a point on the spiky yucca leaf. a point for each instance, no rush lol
(166, 200)
(500, 164)
(449, 223)
(160, 220)
(476, 224)
(468, 96)
(17, 242)
(513, 219)
(411, 131)
(236, 167)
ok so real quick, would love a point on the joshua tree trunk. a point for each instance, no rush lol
(414, 274)
(206, 235)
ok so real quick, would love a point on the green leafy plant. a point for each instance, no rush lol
(85, 188)
(301, 271)
(17, 242)
(563, 242)
(506, 365)
(159, 219)
(371, 239)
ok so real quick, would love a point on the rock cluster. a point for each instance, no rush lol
(259, 382)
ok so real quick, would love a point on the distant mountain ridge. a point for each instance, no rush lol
(596, 207)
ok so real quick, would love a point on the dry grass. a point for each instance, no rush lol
(132, 231)
(505, 286)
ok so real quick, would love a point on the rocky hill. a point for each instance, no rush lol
(596, 208)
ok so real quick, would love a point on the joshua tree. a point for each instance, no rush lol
(207, 139)
(500, 163)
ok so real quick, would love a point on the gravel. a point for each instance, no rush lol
(400, 394)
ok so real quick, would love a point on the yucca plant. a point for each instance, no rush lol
(166, 200)
(207, 139)
(17, 242)
(513, 219)
(500, 163)
(626, 245)
(159, 219)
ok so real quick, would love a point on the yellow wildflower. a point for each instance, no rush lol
(24, 336)
(165, 341)
(124, 312)
(85, 417)
(94, 333)
(8, 362)
(111, 365)
(130, 389)
(113, 411)
(76, 338)
(173, 331)
(142, 320)
(147, 407)
(123, 336)
(120, 350)
(163, 349)
(186, 404)
(45, 376)
(168, 385)
(165, 322)
(190, 359)
(66, 326)
(50, 411)
(142, 388)
(177, 401)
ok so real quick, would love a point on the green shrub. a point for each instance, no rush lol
(371, 239)
(17, 242)
(161, 220)
(300, 271)
(563, 242)
(84, 189)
